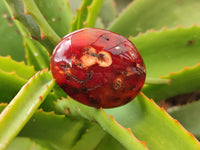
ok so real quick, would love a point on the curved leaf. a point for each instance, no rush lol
(17, 9)
(142, 15)
(123, 135)
(169, 50)
(179, 84)
(10, 85)
(9, 65)
(152, 124)
(23, 106)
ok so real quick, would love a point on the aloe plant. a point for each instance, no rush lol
(37, 114)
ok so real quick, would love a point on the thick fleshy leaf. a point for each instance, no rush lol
(10, 39)
(81, 16)
(153, 125)
(60, 132)
(188, 116)
(179, 84)
(142, 15)
(37, 55)
(22, 107)
(169, 51)
(73, 133)
(108, 123)
(9, 65)
(57, 13)
(17, 9)
(10, 85)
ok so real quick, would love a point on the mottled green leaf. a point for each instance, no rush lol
(18, 13)
(57, 13)
(10, 39)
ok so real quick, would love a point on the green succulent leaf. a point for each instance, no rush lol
(13, 75)
(93, 12)
(81, 16)
(57, 13)
(188, 116)
(15, 115)
(123, 135)
(45, 29)
(153, 125)
(9, 65)
(179, 81)
(17, 10)
(166, 51)
(9, 32)
(37, 55)
(10, 85)
(142, 15)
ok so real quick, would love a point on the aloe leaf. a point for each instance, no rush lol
(60, 132)
(9, 65)
(179, 84)
(37, 55)
(23, 106)
(153, 125)
(22, 143)
(123, 135)
(16, 7)
(46, 30)
(81, 16)
(169, 50)
(10, 34)
(93, 12)
(10, 85)
(188, 116)
(57, 13)
(142, 15)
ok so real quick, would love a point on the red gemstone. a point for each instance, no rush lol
(98, 68)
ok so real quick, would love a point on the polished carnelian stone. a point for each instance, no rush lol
(98, 68)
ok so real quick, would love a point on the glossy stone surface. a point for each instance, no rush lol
(98, 68)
